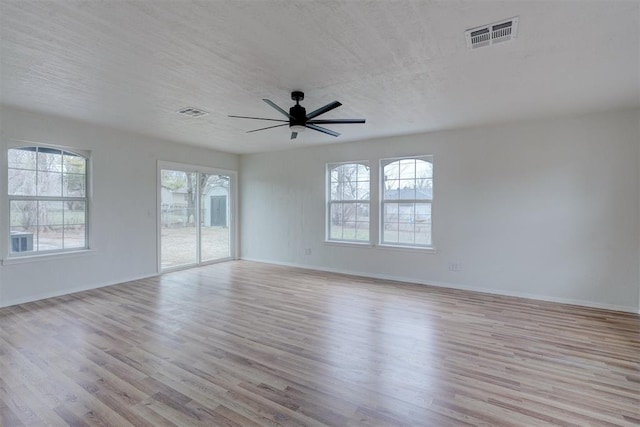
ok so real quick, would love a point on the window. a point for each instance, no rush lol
(348, 202)
(47, 194)
(407, 192)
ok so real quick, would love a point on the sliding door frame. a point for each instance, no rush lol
(233, 210)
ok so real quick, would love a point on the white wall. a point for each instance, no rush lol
(123, 234)
(546, 209)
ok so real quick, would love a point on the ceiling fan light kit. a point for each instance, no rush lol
(299, 120)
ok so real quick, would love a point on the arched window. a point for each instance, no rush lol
(407, 186)
(348, 190)
(47, 193)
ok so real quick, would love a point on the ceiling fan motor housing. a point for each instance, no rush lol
(298, 115)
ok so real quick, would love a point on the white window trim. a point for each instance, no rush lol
(48, 256)
(381, 202)
(328, 202)
(5, 225)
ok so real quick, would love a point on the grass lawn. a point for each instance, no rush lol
(178, 245)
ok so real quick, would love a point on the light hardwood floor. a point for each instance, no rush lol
(248, 344)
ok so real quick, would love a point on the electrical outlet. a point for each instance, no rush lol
(454, 266)
(307, 251)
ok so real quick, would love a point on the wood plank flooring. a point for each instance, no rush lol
(249, 344)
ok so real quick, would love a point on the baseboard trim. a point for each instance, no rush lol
(537, 297)
(69, 291)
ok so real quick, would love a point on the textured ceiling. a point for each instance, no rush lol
(402, 65)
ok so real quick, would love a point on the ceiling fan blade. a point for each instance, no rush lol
(294, 135)
(287, 115)
(268, 127)
(330, 106)
(336, 121)
(321, 129)
(258, 118)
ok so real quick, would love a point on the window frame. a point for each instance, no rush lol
(329, 203)
(382, 201)
(11, 256)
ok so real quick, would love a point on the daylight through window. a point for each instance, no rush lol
(47, 193)
(348, 202)
(407, 186)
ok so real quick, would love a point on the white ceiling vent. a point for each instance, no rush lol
(192, 112)
(493, 33)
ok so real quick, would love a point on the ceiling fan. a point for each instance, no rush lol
(299, 120)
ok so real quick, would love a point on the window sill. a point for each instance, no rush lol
(427, 249)
(46, 257)
(347, 243)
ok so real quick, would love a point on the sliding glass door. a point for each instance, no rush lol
(196, 215)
